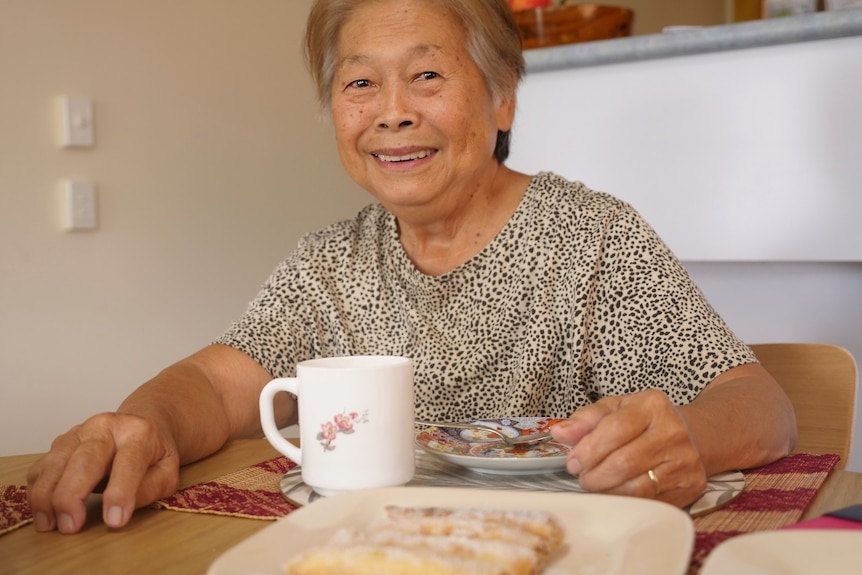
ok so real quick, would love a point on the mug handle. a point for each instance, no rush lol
(267, 416)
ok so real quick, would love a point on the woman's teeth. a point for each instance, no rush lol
(404, 158)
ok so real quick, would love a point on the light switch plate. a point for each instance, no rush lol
(78, 122)
(79, 205)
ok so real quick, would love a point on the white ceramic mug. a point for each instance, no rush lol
(355, 422)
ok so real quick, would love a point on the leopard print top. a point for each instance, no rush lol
(575, 299)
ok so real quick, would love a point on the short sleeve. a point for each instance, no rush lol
(269, 331)
(651, 325)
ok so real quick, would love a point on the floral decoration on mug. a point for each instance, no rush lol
(341, 423)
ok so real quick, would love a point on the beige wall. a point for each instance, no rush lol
(210, 162)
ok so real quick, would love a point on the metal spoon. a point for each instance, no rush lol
(519, 441)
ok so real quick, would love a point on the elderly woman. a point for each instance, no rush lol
(514, 294)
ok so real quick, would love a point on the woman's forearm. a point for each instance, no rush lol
(742, 419)
(202, 401)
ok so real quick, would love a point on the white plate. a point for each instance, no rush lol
(604, 533)
(788, 552)
(483, 452)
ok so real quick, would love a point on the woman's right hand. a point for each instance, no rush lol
(186, 412)
(140, 464)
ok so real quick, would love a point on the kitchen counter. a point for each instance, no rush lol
(801, 28)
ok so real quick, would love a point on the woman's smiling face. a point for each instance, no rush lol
(415, 122)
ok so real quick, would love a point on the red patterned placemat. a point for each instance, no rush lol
(775, 495)
(14, 508)
(252, 492)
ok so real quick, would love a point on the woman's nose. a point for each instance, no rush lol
(397, 109)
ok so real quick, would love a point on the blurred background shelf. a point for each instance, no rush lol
(570, 23)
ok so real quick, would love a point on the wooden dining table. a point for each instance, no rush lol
(164, 542)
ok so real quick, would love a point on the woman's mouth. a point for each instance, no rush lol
(418, 155)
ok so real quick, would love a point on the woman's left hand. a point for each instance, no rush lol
(637, 444)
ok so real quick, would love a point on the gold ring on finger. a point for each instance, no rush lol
(654, 478)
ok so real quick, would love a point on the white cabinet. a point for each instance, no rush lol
(743, 155)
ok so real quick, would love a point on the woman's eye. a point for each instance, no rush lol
(427, 75)
(359, 84)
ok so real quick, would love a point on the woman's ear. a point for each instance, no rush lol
(505, 113)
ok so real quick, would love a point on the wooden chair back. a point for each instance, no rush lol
(821, 381)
